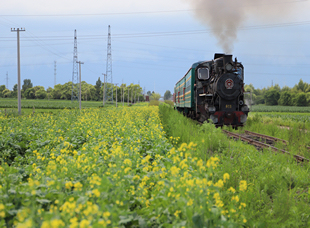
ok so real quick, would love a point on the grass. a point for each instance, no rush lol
(295, 130)
(278, 192)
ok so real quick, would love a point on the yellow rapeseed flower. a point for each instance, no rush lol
(243, 185)
(225, 177)
(190, 202)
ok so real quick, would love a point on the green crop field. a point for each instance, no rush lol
(278, 108)
(143, 166)
(46, 104)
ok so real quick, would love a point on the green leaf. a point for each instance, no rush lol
(125, 219)
(43, 201)
(197, 220)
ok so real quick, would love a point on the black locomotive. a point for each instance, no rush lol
(213, 90)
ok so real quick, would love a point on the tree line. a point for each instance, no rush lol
(132, 92)
(299, 95)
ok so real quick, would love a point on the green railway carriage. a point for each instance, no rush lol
(184, 96)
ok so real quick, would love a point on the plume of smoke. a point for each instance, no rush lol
(225, 17)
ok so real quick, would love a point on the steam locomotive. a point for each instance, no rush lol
(213, 90)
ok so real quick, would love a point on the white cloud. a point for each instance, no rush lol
(87, 7)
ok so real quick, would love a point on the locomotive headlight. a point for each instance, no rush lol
(214, 118)
(229, 67)
(245, 108)
(211, 109)
(243, 118)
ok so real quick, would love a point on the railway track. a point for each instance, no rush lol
(269, 142)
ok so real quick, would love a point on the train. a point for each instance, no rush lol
(213, 91)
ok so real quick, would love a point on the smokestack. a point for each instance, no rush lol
(227, 59)
(225, 17)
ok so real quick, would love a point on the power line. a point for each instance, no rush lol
(154, 34)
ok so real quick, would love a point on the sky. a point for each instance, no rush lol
(154, 43)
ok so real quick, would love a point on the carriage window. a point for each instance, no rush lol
(203, 73)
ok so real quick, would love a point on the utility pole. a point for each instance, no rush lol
(116, 95)
(251, 99)
(80, 96)
(131, 94)
(144, 93)
(104, 91)
(7, 80)
(122, 88)
(123, 94)
(54, 73)
(18, 69)
(139, 89)
(128, 97)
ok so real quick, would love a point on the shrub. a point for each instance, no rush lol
(154, 103)
(169, 102)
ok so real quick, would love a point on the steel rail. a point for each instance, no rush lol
(266, 137)
(269, 137)
(263, 145)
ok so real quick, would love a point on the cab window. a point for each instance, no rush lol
(240, 72)
(203, 73)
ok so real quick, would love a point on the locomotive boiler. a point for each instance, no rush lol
(213, 90)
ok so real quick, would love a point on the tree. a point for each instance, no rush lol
(98, 89)
(40, 93)
(301, 86)
(301, 99)
(285, 98)
(14, 92)
(49, 92)
(37, 92)
(2, 88)
(149, 93)
(56, 93)
(7, 93)
(276, 87)
(66, 91)
(88, 91)
(250, 95)
(30, 93)
(155, 96)
(271, 97)
(134, 92)
(167, 95)
(27, 85)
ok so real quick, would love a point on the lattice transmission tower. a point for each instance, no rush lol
(75, 73)
(109, 78)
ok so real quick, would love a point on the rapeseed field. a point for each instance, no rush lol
(110, 167)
